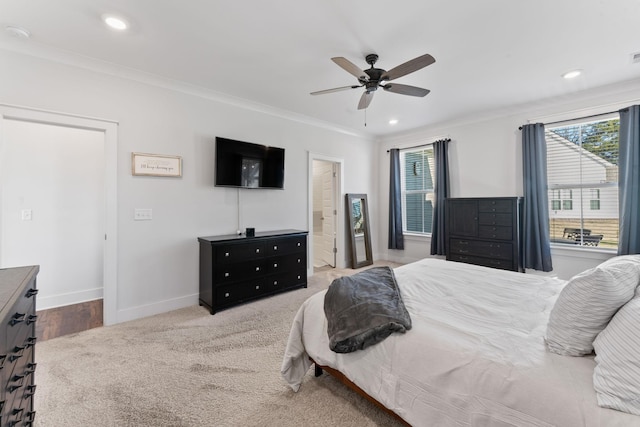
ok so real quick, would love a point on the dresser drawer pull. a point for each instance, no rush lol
(17, 318)
(257, 287)
(257, 250)
(299, 260)
(14, 357)
(275, 283)
(31, 415)
(32, 319)
(31, 341)
(226, 274)
(31, 292)
(14, 388)
(299, 277)
(257, 268)
(275, 247)
(299, 244)
(31, 390)
(227, 254)
(31, 368)
(226, 294)
(17, 378)
(275, 265)
(16, 411)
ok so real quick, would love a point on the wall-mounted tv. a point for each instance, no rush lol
(247, 165)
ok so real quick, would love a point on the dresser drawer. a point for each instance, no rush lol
(237, 292)
(286, 245)
(486, 262)
(285, 263)
(235, 272)
(493, 205)
(490, 218)
(239, 252)
(495, 232)
(481, 248)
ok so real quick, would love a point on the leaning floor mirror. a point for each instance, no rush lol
(358, 218)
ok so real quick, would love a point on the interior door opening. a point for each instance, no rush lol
(324, 213)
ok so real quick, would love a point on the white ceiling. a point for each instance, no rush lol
(490, 55)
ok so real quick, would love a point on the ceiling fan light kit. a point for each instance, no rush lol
(373, 78)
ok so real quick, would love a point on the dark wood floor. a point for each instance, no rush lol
(69, 319)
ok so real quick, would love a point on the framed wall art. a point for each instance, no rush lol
(156, 165)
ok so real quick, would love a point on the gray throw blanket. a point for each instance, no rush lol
(364, 309)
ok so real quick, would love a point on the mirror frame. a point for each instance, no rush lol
(352, 235)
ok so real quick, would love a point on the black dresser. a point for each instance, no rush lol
(17, 341)
(236, 269)
(485, 231)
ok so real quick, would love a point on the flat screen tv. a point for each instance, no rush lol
(247, 165)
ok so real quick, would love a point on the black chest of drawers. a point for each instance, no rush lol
(237, 269)
(485, 231)
(17, 342)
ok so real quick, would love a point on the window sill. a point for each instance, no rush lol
(582, 251)
(416, 236)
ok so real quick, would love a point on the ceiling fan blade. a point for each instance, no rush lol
(408, 67)
(365, 100)
(405, 89)
(351, 68)
(337, 89)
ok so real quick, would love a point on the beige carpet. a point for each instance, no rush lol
(188, 368)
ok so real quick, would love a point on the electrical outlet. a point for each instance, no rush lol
(142, 214)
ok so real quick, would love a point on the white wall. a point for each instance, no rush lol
(158, 259)
(485, 160)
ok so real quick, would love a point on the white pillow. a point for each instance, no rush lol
(588, 302)
(616, 378)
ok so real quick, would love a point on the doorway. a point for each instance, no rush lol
(325, 231)
(57, 205)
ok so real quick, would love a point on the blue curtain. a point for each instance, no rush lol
(536, 242)
(441, 192)
(629, 181)
(396, 239)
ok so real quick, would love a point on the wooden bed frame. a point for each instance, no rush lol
(318, 369)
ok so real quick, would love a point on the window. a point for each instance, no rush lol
(417, 177)
(582, 172)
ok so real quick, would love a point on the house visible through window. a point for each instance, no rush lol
(417, 176)
(582, 172)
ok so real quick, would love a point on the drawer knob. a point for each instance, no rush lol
(17, 378)
(31, 368)
(31, 341)
(257, 287)
(226, 294)
(299, 244)
(275, 283)
(226, 274)
(31, 292)
(226, 254)
(257, 268)
(32, 319)
(257, 250)
(299, 260)
(275, 247)
(275, 265)
(298, 276)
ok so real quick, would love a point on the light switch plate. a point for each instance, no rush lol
(143, 214)
(27, 215)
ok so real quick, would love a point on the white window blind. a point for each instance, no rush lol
(582, 173)
(417, 177)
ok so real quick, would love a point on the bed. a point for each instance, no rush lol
(475, 355)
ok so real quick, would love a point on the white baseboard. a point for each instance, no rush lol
(60, 300)
(146, 310)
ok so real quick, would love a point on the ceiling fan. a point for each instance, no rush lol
(373, 78)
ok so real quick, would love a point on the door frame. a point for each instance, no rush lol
(109, 129)
(340, 260)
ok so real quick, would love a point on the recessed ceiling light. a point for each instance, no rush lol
(17, 32)
(115, 22)
(393, 121)
(572, 74)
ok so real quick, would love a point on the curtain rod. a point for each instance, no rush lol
(422, 145)
(582, 118)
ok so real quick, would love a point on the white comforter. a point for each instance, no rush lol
(475, 355)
